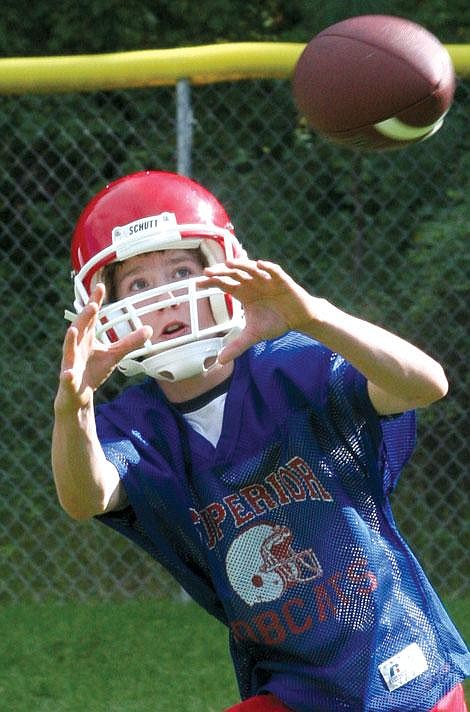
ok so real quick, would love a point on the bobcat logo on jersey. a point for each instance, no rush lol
(261, 563)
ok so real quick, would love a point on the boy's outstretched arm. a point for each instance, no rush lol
(87, 484)
(400, 376)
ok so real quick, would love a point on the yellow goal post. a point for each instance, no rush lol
(203, 64)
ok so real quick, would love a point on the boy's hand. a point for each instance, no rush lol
(86, 362)
(273, 302)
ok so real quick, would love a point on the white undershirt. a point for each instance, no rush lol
(207, 421)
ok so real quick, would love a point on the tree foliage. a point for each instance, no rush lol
(94, 26)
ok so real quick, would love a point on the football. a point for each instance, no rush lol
(374, 83)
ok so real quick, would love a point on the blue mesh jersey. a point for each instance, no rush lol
(284, 531)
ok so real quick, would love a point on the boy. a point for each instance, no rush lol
(256, 459)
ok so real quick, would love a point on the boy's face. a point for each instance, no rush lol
(154, 269)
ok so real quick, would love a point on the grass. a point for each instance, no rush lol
(136, 656)
(127, 657)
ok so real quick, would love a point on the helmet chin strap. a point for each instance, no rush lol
(178, 363)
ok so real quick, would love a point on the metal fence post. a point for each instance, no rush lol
(184, 127)
(184, 143)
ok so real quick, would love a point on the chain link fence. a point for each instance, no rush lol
(380, 235)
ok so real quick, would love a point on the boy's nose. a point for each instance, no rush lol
(164, 296)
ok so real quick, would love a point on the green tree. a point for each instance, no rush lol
(94, 26)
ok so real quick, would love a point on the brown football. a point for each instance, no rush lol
(374, 82)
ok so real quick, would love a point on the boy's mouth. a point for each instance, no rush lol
(173, 329)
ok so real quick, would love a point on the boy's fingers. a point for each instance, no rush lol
(225, 282)
(69, 346)
(86, 319)
(130, 342)
(244, 268)
(98, 294)
(242, 273)
(256, 267)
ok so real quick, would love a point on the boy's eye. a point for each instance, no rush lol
(183, 273)
(138, 285)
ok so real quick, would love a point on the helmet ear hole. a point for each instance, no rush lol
(221, 305)
(211, 251)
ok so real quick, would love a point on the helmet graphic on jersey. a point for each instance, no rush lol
(146, 212)
(261, 563)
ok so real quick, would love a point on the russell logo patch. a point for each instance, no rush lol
(403, 667)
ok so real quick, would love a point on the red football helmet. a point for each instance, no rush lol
(146, 212)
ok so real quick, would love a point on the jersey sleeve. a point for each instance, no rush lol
(150, 522)
(347, 423)
(380, 446)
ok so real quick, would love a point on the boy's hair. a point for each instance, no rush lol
(108, 275)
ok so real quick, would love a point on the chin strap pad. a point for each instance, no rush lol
(178, 363)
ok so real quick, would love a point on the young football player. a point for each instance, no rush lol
(256, 458)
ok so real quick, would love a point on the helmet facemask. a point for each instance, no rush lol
(190, 353)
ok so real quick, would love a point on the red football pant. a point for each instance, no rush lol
(454, 701)
(260, 703)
